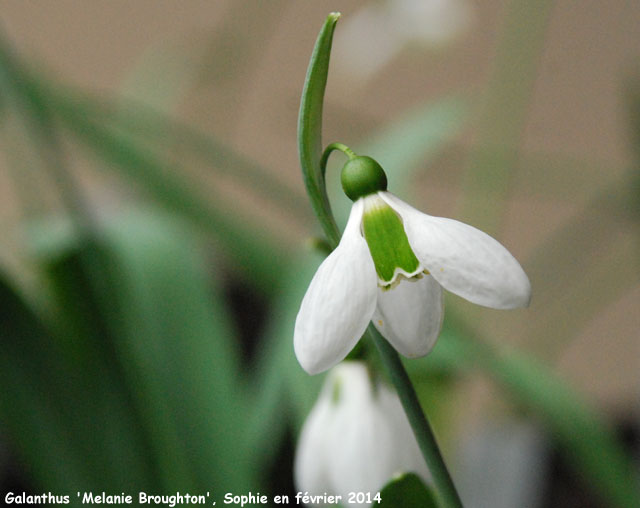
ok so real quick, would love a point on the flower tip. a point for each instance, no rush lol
(310, 367)
(521, 297)
(311, 360)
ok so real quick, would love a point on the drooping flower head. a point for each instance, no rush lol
(390, 267)
(356, 437)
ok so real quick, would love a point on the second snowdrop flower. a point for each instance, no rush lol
(390, 267)
(356, 438)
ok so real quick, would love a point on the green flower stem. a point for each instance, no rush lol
(321, 205)
(422, 430)
(327, 151)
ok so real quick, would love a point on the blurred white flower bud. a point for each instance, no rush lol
(356, 438)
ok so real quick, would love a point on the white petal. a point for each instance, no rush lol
(329, 455)
(358, 435)
(410, 315)
(370, 438)
(339, 302)
(311, 466)
(463, 259)
(361, 450)
(353, 445)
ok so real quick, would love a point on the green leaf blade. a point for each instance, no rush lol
(408, 491)
(310, 128)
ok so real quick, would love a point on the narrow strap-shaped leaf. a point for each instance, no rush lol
(245, 244)
(146, 126)
(170, 334)
(242, 241)
(310, 129)
(176, 340)
(32, 418)
(62, 406)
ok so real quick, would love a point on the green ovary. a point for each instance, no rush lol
(387, 240)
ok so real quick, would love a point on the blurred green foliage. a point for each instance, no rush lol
(408, 491)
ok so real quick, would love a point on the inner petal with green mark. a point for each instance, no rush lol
(383, 230)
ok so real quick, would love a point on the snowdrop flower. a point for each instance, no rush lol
(389, 267)
(356, 438)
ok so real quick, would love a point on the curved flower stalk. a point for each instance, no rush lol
(356, 437)
(390, 267)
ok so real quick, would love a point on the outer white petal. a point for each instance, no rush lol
(463, 259)
(311, 467)
(361, 442)
(339, 302)
(410, 315)
(325, 451)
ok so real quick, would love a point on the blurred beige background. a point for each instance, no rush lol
(235, 69)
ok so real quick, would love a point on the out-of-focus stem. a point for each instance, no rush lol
(445, 487)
